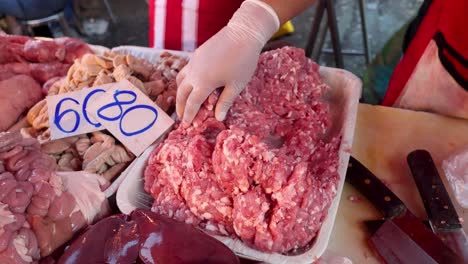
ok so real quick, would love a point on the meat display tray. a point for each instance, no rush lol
(343, 96)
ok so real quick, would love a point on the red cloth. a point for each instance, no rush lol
(445, 21)
(209, 16)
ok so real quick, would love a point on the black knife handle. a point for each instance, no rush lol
(439, 207)
(374, 190)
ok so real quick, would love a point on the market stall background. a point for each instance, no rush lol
(384, 19)
(386, 23)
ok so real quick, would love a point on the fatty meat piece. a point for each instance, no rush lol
(11, 52)
(40, 59)
(268, 173)
(43, 51)
(74, 48)
(145, 237)
(22, 49)
(42, 72)
(49, 84)
(17, 94)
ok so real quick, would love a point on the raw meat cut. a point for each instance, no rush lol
(42, 72)
(268, 173)
(26, 49)
(74, 48)
(145, 237)
(9, 70)
(42, 59)
(39, 209)
(96, 152)
(48, 85)
(17, 94)
(11, 52)
(43, 51)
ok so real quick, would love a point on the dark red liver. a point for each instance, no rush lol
(145, 237)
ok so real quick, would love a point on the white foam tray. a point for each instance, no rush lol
(344, 98)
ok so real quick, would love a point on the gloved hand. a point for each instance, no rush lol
(228, 60)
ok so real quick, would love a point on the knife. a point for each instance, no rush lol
(366, 183)
(391, 245)
(441, 213)
(374, 225)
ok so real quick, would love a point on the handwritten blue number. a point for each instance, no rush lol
(58, 117)
(129, 134)
(117, 103)
(85, 105)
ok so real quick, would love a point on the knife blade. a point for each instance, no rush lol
(397, 215)
(389, 238)
(373, 225)
(439, 207)
(366, 183)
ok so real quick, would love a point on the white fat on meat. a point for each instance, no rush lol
(6, 216)
(19, 243)
(85, 187)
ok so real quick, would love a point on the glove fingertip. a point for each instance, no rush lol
(188, 117)
(179, 112)
(221, 115)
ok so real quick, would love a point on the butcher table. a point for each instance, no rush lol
(383, 138)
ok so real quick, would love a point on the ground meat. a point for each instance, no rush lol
(267, 174)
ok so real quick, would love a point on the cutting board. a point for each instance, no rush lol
(384, 136)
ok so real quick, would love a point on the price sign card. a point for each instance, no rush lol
(121, 108)
(130, 116)
(67, 112)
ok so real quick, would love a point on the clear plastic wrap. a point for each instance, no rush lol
(456, 171)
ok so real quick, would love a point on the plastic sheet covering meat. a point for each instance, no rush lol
(456, 171)
(40, 209)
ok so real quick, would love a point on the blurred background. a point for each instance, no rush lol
(125, 22)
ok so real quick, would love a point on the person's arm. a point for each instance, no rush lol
(230, 57)
(288, 9)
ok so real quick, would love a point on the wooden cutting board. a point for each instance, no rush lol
(383, 138)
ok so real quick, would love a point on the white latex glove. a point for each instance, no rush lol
(228, 59)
